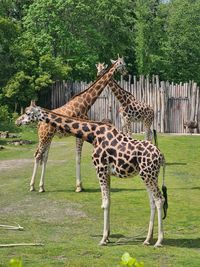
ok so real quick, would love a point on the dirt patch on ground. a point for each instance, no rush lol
(14, 163)
(20, 163)
(44, 210)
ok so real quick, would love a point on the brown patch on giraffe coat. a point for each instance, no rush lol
(59, 120)
(85, 127)
(88, 98)
(53, 116)
(75, 125)
(114, 142)
(79, 134)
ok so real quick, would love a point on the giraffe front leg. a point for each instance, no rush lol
(151, 221)
(79, 145)
(32, 183)
(105, 191)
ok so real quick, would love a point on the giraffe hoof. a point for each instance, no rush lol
(41, 190)
(103, 243)
(32, 188)
(146, 243)
(157, 245)
(79, 189)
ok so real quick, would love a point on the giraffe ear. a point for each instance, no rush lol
(106, 65)
(96, 65)
(113, 61)
(33, 103)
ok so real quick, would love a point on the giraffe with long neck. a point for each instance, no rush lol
(131, 109)
(116, 154)
(78, 106)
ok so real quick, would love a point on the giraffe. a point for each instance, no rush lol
(131, 109)
(114, 153)
(78, 106)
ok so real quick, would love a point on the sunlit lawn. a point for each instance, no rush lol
(70, 224)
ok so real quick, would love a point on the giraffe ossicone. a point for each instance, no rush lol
(116, 154)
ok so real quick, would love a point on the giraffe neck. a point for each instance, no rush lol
(123, 96)
(86, 130)
(90, 95)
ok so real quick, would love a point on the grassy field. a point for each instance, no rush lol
(70, 224)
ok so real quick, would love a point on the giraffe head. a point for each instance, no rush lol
(101, 67)
(120, 64)
(31, 114)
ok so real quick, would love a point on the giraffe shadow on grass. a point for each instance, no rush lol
(98, 190)
(175, 163)
(114, 190)
(173, 242)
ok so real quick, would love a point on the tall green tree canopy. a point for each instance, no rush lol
(81, 32)
(183, 39)
(42, 41)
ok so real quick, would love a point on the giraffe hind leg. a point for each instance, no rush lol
(156, 199)
(129, 132)
(149, 237)
(44, 163)
(105, 191)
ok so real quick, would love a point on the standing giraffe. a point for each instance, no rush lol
(114, 154)
(78, 106)
(131, 109)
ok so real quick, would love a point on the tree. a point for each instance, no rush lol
(149, 35)
(81, 32)
(182, 46)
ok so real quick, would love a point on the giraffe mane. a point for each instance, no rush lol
(127, 92)
(78, 118)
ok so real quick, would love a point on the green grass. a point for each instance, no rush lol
(70, 224)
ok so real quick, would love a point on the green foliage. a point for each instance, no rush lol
(20, 87)
(15, 263)
(54, 67)
(150, 19)
(43, 41)
(167, 36)
(182, 45)
(127, 260)
(8, 33)
(81, 32)
(7, 120)
(4, 113)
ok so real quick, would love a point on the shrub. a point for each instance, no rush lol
(127, 260)
(15, 263)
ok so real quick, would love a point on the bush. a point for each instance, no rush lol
(15, 263)
(7, 120)
(4, 113)
(128, 261)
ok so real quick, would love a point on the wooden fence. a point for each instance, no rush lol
(173, 104)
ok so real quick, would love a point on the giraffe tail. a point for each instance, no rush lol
(155, 138)
(164, 189)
